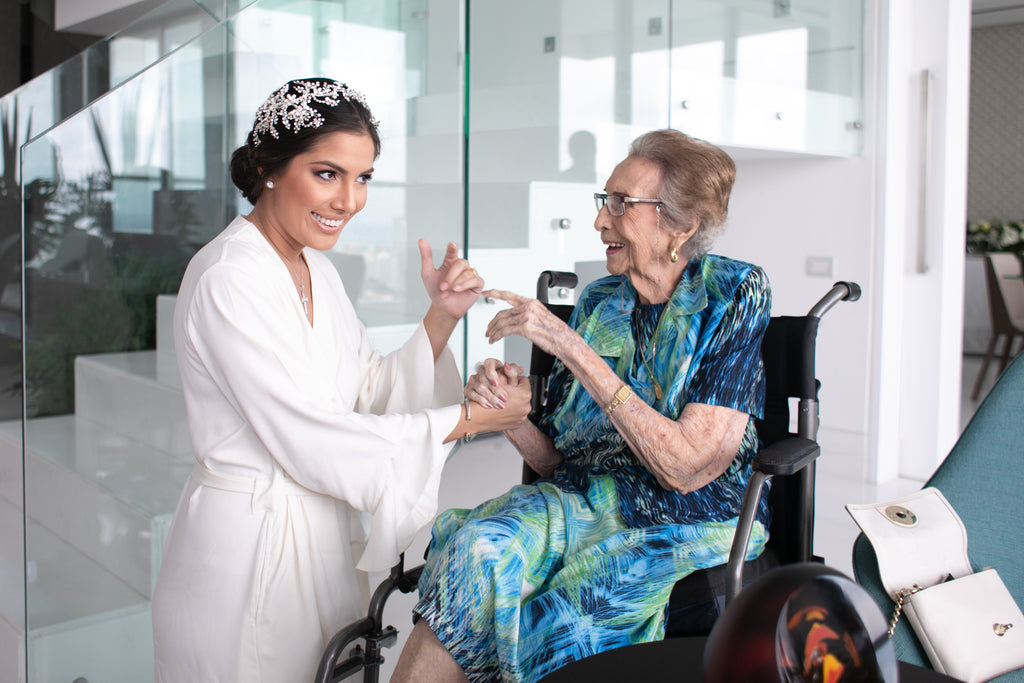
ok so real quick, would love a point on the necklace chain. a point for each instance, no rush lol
(658, 392)
(297, 280)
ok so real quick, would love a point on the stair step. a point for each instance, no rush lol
(108, 496)
(76, 608)
(135, 393)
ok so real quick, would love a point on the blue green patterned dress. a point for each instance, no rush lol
(584, 561)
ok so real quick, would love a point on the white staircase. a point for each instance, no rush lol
(101, 486)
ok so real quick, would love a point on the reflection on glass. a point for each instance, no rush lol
(768, 76)
(108, 229)
(557, 91)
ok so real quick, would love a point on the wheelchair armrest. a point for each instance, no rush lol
(786, 456)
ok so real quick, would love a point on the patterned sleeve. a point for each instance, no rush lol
(730, 371)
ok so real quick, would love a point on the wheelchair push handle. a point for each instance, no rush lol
(554, 278)
(841, 291)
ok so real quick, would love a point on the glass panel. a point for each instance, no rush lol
(782, 76)
(117, 198)
(115, 204)
(416, 190)
(50, 97)
(557, 92)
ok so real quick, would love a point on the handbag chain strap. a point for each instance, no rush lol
(901, 597)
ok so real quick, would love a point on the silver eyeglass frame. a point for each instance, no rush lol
(601, 201)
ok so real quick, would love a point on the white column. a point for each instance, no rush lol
(924, 54)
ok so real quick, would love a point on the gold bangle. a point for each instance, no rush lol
(469, 417)
(622, 394)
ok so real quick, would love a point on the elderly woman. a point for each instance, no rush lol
(645, 444)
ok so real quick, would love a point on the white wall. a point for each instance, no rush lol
(784, 212)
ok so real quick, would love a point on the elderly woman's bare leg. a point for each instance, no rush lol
(424, 658)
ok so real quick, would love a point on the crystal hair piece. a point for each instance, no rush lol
(291, 107)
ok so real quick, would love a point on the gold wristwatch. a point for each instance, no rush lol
(622, 395)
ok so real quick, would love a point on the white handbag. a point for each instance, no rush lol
(967, 622)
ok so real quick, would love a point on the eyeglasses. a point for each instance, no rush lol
(616, 203)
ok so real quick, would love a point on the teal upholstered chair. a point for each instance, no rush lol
(981, 478)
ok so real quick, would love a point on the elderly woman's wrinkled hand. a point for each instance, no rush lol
(488, 386)
(528, 318)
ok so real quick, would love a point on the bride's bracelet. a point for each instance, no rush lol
(468, 436)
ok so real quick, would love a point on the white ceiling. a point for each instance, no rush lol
(100, 18)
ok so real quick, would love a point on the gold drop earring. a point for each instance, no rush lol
(674, 254)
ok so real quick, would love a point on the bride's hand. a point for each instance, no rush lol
(454, 286)
(515, 411)
(489, 386)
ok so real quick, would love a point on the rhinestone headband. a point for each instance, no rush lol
(291, 107)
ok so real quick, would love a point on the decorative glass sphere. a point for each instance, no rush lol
(802, 622)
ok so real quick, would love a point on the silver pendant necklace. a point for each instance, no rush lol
(297, 280)
(301, 283)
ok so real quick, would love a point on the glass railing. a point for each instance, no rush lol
(27, 113)
(116, 199)
(45, 101)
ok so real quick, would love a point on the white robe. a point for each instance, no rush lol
(296, 430)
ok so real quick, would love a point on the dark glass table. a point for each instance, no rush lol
(676, 660)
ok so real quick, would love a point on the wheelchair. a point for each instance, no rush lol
(785, 467)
